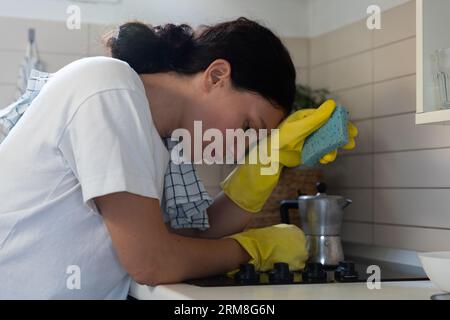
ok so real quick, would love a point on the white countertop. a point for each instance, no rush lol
(402, 260)
(408, 290)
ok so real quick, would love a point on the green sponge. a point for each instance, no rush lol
(332, 135)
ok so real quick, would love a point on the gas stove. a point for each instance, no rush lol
(313, 273)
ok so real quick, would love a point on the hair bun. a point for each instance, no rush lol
(151, 49)
(177, 41)
(259, 61)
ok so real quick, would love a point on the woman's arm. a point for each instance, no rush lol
(225, 218)
(151, 254)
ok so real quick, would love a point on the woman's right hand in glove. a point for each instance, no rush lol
(279, 243)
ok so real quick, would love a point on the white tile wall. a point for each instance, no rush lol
(415, 169)
(401, 133)
(410, 238)
(361, 210)
(399, 175)
(96, 44)
(357, 232)
(56, 44)
(353, 171)
(299, 51)
(10, 62)
(407, 207)
(357, 70)
(395, 60)
(348, 40)
(302, 76)
(320, 77)
(397, 23)
(394, 96)
(358, 101)
(365, 134)
(51, 36)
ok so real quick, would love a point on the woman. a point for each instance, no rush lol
(82, 172)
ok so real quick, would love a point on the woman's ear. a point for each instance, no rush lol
(218, 74)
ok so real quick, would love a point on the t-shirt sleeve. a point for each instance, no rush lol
(111, 145)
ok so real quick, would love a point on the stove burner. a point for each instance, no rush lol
(314, 273)
(281, 274)
(246, 275)
(346, 272)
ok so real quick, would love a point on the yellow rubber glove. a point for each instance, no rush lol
(352, 134)
(279, 243)
(250, 189)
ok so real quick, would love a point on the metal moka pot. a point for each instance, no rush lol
(321, 218)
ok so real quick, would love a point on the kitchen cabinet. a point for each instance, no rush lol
(433, 68)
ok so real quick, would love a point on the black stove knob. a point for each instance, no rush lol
(321, 187)
(246, 274)
(314, 273)
(281, 274)
(346, 272)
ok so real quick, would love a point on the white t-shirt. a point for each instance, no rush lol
(88, 133)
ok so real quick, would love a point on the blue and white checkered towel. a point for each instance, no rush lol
(30, 62)
(12, 113)
(185, 198)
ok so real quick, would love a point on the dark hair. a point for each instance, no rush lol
(259, 61)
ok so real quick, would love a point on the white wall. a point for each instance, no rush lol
(286, 17)
(292, 18)
(399, 174)
(328, 15)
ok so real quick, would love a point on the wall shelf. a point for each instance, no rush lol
(433, 29)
